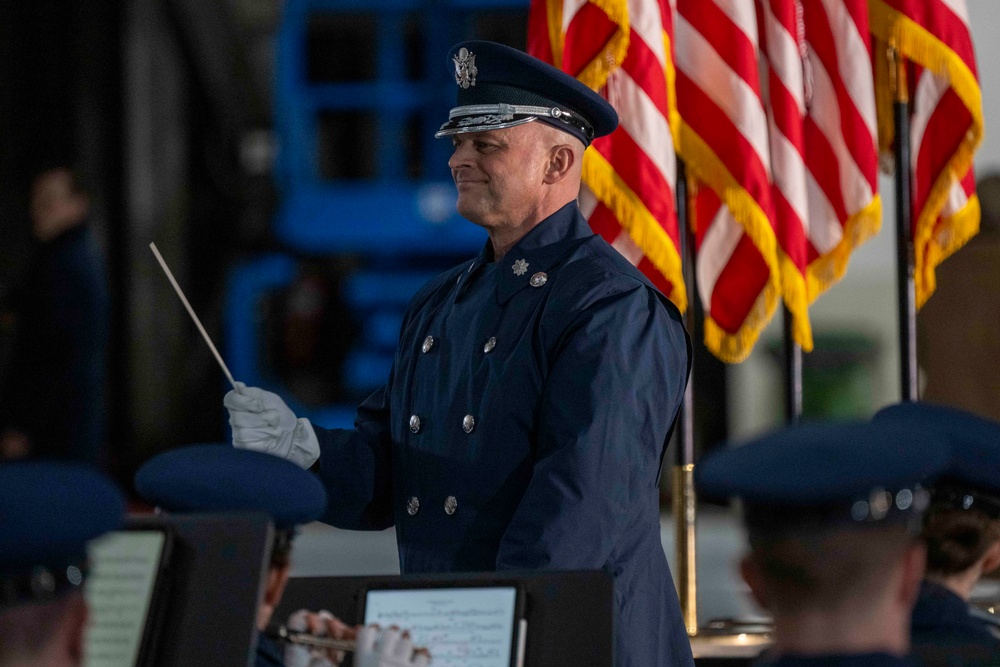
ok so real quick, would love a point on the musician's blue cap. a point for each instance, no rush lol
(851, 473)
(499, 87)
(221, 478)
(49, 511)
(972, 479)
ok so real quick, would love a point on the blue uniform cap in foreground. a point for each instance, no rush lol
(221, 478)
(500, 87)
(858, 472)
(48, 512)
(973, 475)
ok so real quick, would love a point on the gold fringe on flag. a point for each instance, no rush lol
(828, 269)
(636, 219)
(914, 42)
(705, 165)
(794, 292)
(595, 74)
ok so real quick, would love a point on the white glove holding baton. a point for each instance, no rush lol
(263, 423)
(388, 648)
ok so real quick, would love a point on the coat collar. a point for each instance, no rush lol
(937, 606)
(539, 251)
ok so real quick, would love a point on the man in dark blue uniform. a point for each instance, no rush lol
(48, 512)
(962, 532)
(218, 478)
(524, 420)
(833, 519)
(215, 478)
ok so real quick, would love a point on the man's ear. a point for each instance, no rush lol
(274, 588)
(991, 559)
(751, 575)
(562, 158)
(914, 567)
(76, 617)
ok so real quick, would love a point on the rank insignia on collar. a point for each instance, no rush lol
(465, 68)
(520, 267)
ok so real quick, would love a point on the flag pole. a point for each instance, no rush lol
(904, 241)
(683, 479)
(793, 373)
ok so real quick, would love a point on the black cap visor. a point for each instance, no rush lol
(484, 117)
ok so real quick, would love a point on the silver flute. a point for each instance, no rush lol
(281, 633)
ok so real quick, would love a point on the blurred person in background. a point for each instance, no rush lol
(833, 515)
(962, 532)
(52, 402)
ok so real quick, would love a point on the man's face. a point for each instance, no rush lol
(499, 174)
(54, 204)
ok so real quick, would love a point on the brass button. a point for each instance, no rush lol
(450, 505)
(412, 505)
(468, 423)
(538, 279)
(490, 344)
(428, 344)
(415, 423)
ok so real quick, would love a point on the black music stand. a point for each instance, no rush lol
(218, 567)
(569, 614)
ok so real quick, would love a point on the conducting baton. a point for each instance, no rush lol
(190, 310)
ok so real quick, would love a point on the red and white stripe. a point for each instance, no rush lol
(631, 173)
(824, 147)
(946, 124)
(939, 122)
(725, 145)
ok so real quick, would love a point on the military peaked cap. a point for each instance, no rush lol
(836, 473)
(221, 478)
(499, 87)
(972, 479)
(49, 511)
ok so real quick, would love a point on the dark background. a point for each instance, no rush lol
(165, 107)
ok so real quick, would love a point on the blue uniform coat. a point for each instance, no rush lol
(54, 389)
(523, 427)
(945, 633)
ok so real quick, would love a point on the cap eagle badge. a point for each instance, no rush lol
(465, 68)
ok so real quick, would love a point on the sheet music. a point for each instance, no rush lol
(462, 627)
(119, 589)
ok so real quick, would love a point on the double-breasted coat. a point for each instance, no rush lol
(523, 427)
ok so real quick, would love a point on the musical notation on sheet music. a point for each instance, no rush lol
(462, 627)
(119, 591)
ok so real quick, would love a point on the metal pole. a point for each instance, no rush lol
(793, 373)
(683, 477)
(904, 240)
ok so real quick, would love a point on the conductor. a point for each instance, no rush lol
(525, 417)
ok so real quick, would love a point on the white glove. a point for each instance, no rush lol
(393, 648)
(262, 422)
(297, 655)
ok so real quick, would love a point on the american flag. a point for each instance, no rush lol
(623, 49)
(723, 139)
(946, 123)
(823, 138)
